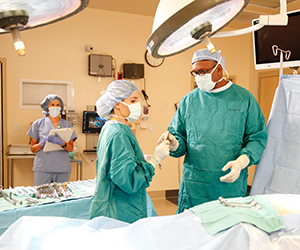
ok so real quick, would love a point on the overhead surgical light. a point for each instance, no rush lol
(18, 15)
(181, 24)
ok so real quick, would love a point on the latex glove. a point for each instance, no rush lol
(160, 153)
(56, 139)
(147, 157)
(171, 138)
(236, 167)
(44, 140)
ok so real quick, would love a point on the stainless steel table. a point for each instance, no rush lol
(10, 166)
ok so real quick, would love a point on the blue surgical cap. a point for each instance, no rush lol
(49, 98)
(116, 92)
(205, 54)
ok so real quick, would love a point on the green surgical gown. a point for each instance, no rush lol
(213, 129)
(122, 175)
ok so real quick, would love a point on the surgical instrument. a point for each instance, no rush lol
(16, 201)
(253, 204)
(9, 200)
(169, 129)
(31, 201)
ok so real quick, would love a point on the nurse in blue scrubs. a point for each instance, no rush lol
(52, 166)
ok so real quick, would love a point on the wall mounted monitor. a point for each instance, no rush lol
(285, 37)
(91, 122)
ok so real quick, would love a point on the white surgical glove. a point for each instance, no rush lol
(171, 138)
(147, 157)
(236, 167)
(160, 153)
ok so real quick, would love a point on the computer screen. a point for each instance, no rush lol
(285, 37)
(92, 123)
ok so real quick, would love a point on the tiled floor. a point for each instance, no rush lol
(164, 207)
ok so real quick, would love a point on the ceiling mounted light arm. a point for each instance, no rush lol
(18, 15)
(13, 20)
(239, 31)
(280, 19)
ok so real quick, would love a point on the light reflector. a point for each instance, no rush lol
(174, 34)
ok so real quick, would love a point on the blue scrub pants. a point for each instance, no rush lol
(41, 178)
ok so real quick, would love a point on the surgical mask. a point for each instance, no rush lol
(135, 111)
(205, 83)
(54, 111)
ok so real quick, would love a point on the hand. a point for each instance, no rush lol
(56, 139)
(160, 153)
(236, 167)
(171, 138)
(44, 140)
(147, 157)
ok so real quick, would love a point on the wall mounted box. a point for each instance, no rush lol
(100, 65)
(133, 70)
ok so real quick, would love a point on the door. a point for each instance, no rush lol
(1, 126)
(268, 87)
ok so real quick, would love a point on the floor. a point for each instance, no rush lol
(164, 207)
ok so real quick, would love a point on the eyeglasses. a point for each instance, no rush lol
(201, 72)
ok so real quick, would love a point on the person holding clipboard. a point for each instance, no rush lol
(53, 164)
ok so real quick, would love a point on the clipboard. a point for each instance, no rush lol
(64, 133)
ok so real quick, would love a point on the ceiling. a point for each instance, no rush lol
(148, 7)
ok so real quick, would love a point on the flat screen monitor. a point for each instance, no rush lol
(285, 37)
(92, 123)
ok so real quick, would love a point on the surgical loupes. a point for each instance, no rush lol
(253, 204)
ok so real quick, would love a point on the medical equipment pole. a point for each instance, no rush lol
(287, 56)
(281, 63)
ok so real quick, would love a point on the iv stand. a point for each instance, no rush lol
(294, 70)
(287, 56)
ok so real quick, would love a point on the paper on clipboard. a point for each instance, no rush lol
(64, 133)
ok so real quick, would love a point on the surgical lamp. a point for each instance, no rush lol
(18, 15)
(181, 24)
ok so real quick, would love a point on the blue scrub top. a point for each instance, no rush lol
(54, 161)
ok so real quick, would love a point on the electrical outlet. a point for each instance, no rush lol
(16, 127)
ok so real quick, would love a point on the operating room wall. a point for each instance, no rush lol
(56, 52)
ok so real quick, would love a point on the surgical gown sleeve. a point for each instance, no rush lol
(256, 134)
(128, 169)
(178, 125)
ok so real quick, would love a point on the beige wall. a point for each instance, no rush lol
(56, 52)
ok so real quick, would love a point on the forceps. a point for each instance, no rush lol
(253, 204)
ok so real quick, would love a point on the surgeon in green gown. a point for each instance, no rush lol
(122, 172)
(220, 129)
